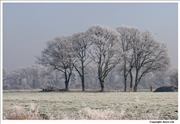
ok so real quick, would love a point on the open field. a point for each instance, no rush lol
(92, 105)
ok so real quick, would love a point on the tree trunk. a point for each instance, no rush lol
(82, 79)
(125, 76)
(66, 81)
(131, 79)
(34, 83)
(66, 85)
(136, 81)
(125, 79)
(151, 89)
(102, 84)
(135, 87)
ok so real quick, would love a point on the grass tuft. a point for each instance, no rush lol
(19, 113)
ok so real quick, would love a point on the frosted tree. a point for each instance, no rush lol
(149, 56)
(52, 78)
(92, 81)
(34, 76)
(5, 74)
(6, 85)
(16, 78)
(127, 35)
(59, 55)
(174, 77)
(81, 44)
(26, 77)
(105, 51)
(17, 75)
(113, 79)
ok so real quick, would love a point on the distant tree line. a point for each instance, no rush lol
(24, 78)
(96, 57)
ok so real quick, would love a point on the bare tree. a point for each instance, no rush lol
(92, 81)
(5, 74)
(149, 56)
(34, 76)
(15, 78)
(174, 77)
(81, 45)
(26, 77)
(105, 51)
(127, 35)
(59, 55)
(53, 78)
(113, 79)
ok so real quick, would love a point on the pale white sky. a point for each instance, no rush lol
(28, 26)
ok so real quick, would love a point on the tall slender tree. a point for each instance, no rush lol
(59, 55)
(149, 56)
(81, 44)
(127, 35)
(105, 51)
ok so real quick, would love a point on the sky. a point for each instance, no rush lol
(28, 26)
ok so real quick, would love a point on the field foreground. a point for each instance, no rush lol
(90, 106)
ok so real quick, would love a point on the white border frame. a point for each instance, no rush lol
(72, 121)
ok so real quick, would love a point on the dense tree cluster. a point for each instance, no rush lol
(98, 56)
(26, 80)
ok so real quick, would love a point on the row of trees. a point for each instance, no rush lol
(23, 78)
(136, 53)
(36, 77)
